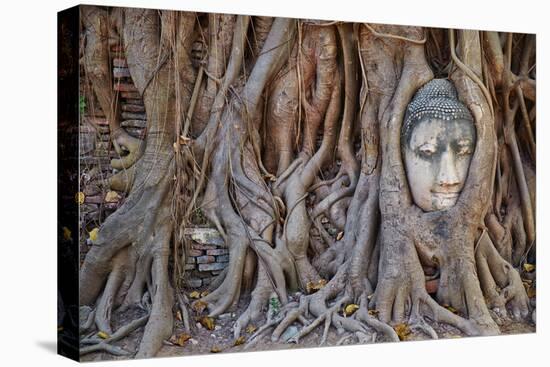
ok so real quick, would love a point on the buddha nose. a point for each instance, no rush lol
(447, 175)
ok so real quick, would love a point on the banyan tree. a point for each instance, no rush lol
(416, 145)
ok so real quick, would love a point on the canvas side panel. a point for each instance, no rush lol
(67, 187)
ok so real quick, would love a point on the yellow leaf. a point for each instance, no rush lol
(350, 309)
(93, 234)
(373, 312)
(180, 339)
(215, 349)
(112, 197)
(250, 329)
(199, 306)
(402, 331)
(80, 197)
(451, 308)
(339, 236)
(528, 267)
(312, 287)
(103, 335)
(239, 341)
(207, 322)
(204, 293)
(195, 295)
(66, 233)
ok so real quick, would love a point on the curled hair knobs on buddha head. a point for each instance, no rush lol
(435, 99)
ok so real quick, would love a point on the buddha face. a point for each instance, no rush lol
(437, 157)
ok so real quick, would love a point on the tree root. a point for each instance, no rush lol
(98, 345)
(500, 282)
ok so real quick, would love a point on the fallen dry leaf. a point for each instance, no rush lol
(93, 234)
(180, 339)
(207, 322)
(199, 306)
(250, 329)
(451, 308)
(239, 341)
(528, 267)
(402, 331)
(112, 197)
(178, 315)
(204, 293)
(339, 236)
(312, 287)
(215, 349)
(80, 197)
(373, 312)
(195, 295)
(350, 309)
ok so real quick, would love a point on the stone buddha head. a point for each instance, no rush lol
(438, 138)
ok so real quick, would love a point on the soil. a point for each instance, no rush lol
(220, 340)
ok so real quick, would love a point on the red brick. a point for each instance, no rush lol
(125, 87)
(121, 73)
(134, 116)
(222, 258)
(205, 259)
(133, 108)
(217, 251)
(212, 266)
(198, 246)
(134, 123)
(119, 62)
(132, 95)
(193, 252)
(138, 101)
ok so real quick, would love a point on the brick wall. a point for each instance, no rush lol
(207, 257)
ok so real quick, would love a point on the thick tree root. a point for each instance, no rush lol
(500, 282)
(97, 344)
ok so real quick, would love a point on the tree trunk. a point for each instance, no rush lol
(287, 135)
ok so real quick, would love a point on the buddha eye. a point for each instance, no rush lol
(426, 150)
(464, 148)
